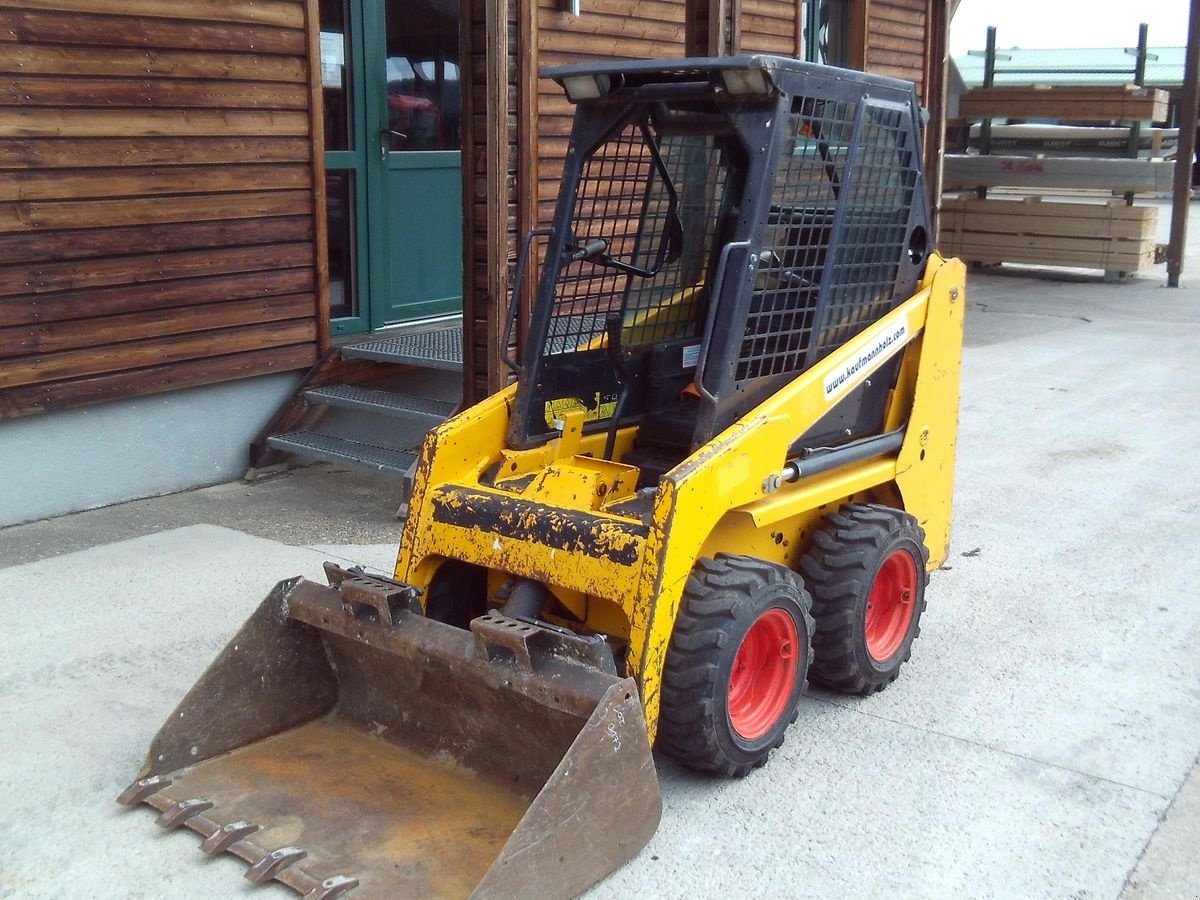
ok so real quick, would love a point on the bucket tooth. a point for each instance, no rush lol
(143, 788)
(226, 836)
(274, 863)
(178, 813)
(331, 888)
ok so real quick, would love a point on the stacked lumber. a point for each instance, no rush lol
(1076, 140)
(1049, 173)
(1111, 236)
(1084, 103)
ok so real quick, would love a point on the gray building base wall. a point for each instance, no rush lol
(98, 455)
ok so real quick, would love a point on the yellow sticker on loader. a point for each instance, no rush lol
(602, 408)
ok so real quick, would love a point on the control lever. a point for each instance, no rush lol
(625, 377)
(591, 248)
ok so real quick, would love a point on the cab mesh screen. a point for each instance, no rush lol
(623, 201)
(830, 258)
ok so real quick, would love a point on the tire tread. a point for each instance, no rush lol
(837, 570)
(712, 599)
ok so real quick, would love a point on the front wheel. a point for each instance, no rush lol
(866, 568)
(736, 665)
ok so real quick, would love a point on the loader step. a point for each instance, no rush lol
(441, 349)
(388, 403)
(310, 445)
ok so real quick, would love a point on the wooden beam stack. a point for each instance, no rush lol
(1051, 173)
(1085, 103)
(1116, 238)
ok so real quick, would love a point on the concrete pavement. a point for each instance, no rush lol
(1041, 743)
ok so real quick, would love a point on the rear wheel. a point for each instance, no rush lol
(457, 594)
(736, 664)
(866, 568)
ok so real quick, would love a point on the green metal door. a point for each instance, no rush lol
(393, 132)
(422, 180)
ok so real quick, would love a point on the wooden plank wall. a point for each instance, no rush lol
(489, 172)
(897, 40)
(534, 133)
(158, 180)
(768, 26)
(605, 30)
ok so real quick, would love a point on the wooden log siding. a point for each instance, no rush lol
(769, 26)
(605, 30)
(490, 160)
(512, 168)
(897, 40)
(158, 180)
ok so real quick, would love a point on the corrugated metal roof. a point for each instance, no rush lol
(1096, 65)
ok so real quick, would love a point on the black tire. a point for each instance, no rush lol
(723, 600)
(843, 564)
(457, 594)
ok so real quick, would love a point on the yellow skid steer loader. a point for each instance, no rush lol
(725, 468)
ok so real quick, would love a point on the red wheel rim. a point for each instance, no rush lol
(764, 674)
(890, 605)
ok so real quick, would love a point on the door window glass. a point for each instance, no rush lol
(826, 23)
(335, 82)
(339, 211)
(423, 97)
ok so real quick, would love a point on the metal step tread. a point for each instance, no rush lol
(352, 396)
(311, 445)
(441, 349)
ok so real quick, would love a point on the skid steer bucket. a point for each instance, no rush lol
(344, 742)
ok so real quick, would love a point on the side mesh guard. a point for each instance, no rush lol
(842, 242)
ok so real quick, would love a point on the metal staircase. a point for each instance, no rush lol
(369, 403)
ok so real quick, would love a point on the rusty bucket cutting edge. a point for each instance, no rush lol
(343, 742)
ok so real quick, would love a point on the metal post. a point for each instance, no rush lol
(935, 131)
(1187, 149)
(989, 80)
(1139, 78)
